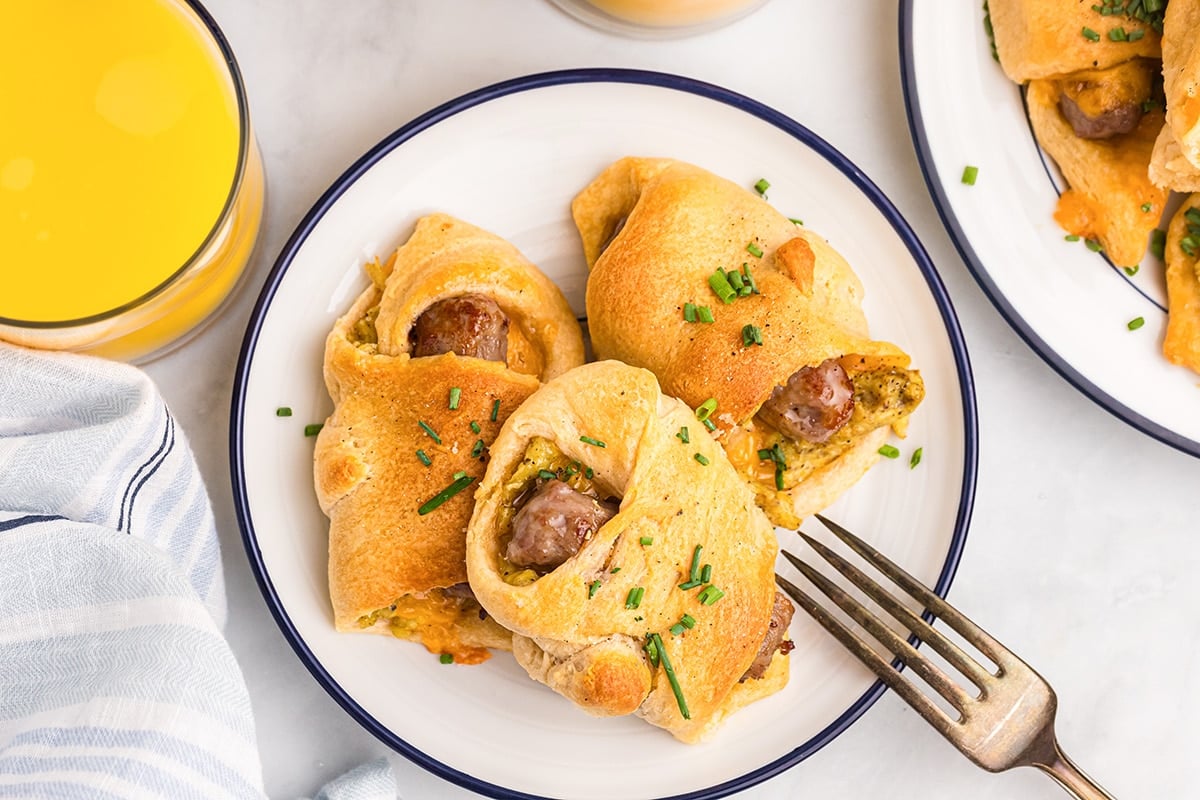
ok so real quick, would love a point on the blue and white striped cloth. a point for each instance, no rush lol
(115, 678)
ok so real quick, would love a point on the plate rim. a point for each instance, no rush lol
(497, 91)
(935, 184)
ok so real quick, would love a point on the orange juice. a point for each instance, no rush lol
(130, 185)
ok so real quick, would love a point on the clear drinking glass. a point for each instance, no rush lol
(131, 185)
(658, 18)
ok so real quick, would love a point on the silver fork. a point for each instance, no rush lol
(1011, 721)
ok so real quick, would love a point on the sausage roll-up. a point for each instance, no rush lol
(1177, 152)
(750, 319)
(455, 331)
(1181, 344)
(615, 540)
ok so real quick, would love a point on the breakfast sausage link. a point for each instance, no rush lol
(781, 617)
(553, 524)
(813, 404)
(468, 325)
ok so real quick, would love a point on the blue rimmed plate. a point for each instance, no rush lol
(1069, 304)
(510, 158)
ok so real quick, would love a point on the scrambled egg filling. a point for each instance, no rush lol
(433, 620)
(363, 332)
(540, 456)
(881, 397)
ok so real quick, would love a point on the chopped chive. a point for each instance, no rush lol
(750, 279)
(761, 186)
(651, 650)
(313, 429)
(704, 462)
(683, 435)
(593, 587)
(704, 314)
(751, 335)
(477, 450)
(677, 629)
(573, 468)
(706, 573)
(634, 598)
(587, 473)
(460, 474)
(705, 410)
(432, 433)
(1070, 237)
(720, 286)
(1094, 245)
(969, 175)
(779, 477)
(1192, 215)
(916, 457)
(689, 312)
(1158, 242)
(691, 584)
(694, 572)
(424, 458)
(646, 541)
(591, 441)
(795, 221)
(1136, 323)
(754, 250)
(688, 621)
(283, 411)
(1131, 271)
(474, 426)
(546, 474)
(1136, 34)
(495, 409)
(461, 481)
(455, 396)
(887, 451)
(1190, 245)
(446, 658)
(736, 279)
(709, 595)
(709, 424)
(671, 678)
(1118, 35)
(1090, 35)
(614, 570)
(1146, 208)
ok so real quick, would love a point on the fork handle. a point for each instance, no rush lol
(1072, 778)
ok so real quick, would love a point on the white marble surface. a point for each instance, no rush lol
(1083, 549)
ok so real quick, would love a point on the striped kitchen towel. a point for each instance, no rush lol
(115, 678)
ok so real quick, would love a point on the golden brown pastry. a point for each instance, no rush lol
(1050, 38)
(1181, 75)
(1111, 198)
(457, 317)
(602, 501)
(1182, 253)
(800, 395)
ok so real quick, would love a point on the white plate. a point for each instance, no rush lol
(1072, 306)
(510, 158)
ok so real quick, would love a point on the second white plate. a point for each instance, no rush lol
(1069, 304)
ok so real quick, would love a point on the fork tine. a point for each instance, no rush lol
(938, 680)
(926, 596)
(922, 629)
(867, 655)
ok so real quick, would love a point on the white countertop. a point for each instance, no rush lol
(1083, 546)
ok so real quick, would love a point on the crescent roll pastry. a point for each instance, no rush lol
(1050, 38)
(785, 372)
(455, 331)
(615, 540)
(1111, 197)
(1181, 76)
(1182, 252)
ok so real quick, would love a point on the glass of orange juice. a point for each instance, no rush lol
(658, 18)
(131, 186)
